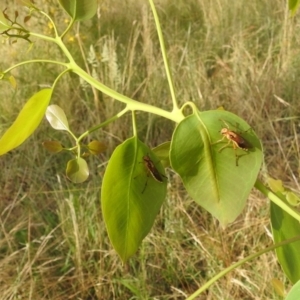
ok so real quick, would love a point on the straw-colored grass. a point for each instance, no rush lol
(243, 55)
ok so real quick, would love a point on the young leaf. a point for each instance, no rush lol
(291, 198)
(53, 146)
(96, 147)
(162, 152)
(4, 24)
(79, 9)
(57, 118)
(26, 19)
(219, 181)
(77, 170)
(284, 226)
(12, 81)
(278, 286)
(130, 196)
(27, 121)
(275, 185)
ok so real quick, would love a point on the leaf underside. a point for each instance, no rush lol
(212, 178)
(130, 196)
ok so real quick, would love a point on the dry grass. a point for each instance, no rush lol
(53, 243)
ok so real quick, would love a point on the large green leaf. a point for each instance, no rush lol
(284, 227)
(294, 293)
(130, 196)
(27, 121)
(212, 178)
(79, 9)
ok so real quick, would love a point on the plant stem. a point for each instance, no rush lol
(261, 187)
(35, 61)
(164, 54)
(134, 124)
(175, 116)
(239, 263)
(115, 117)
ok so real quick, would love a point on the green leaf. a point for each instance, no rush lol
(77, 170)
(285, 227)
(12, 81)
(79, 9)
(292, 198)
(294, 293)
(57, 118)
(4, 24)
(162, 152)
(130, 196)
(275, 185)
(293, 6)
(96, 147)
(27, 121)
(212, 178)
(278, 286)
(53, 146)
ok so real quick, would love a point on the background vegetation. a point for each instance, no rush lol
(242, 55)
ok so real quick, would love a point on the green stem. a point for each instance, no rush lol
(43, 37)
(35, 61)
(275, 199)
(164, 54)
(239, 263)
(175, 116)
(115, 117)
(67, 29)
(190, 104)
(58, 78)
(134, 123)
(51, 21)
(58, 41)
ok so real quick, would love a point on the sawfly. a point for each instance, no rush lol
(152, 170)
(235, 139)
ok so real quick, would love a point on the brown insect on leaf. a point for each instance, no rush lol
(152, 170)
(234, 139)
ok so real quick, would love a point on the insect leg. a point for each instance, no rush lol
(219, 141)
(225, 123)
(235, 146)
(146, 183)
(225, 146)
(236, 158)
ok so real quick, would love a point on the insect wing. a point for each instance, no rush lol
(238, 140)
(156, 175)
(241, 142)
(152, 169)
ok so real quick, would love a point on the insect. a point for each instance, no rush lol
(235, 139)
(151, 169)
